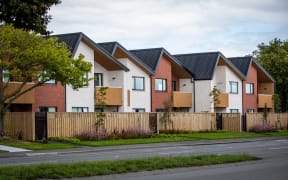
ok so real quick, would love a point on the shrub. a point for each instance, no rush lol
(262, 128)
(92, 135)
(116, 134)
(131, 133)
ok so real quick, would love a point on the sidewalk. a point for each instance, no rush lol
(12, 149)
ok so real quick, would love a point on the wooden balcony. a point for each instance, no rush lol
(27, 98)
(113, 96)
(265, 99)
(182, 99)
(223, 100)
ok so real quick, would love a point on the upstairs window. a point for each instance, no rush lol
(138, 83)
(233, 87)
(79, 109)
(161, 85)
(98, 79)
(249, 88)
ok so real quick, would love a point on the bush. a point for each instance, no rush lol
(123, 134)
(262, 128)
(92, 135)
(131, 133)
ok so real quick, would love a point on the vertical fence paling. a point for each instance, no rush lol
(280, 120)
(20, 124)
(231, 122)
(187, 121)
(71, 124)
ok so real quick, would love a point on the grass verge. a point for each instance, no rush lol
(171, 138)
(35, 145)
(69, 170)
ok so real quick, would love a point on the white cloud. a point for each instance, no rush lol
(181, 26)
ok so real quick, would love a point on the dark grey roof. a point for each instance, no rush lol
(242, 63)
(202, 65)
(111, 48)
(150, 57)
(72, 40)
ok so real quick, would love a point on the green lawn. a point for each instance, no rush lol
(35, 145)
(171, 138)
(80, 169)
(2, 151)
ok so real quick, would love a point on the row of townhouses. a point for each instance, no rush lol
(143, 80)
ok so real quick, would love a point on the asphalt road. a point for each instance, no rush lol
(274, 152)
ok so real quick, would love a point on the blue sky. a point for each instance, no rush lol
(181, 26)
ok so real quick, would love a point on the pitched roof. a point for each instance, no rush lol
(111, 47)
(151, 57)
(72, 41)
(244, 64)
(203, 65)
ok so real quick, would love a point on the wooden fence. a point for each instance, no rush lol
(20, 125)
(231, 122)
(71, 124)
(280, 120)
(187, 121)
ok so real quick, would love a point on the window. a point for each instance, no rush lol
(174, 86)
(79, 109)
(160, 85)
(52, 81)
(234, 110)
(160, 110)
(47, 109)
(139, 110)
(6, 76)
(138, 83)
(99, 109)
(98, 79)
(250, 110)
(233, 87)
(249, 88)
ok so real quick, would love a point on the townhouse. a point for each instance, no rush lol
(258, 86)
(170, 82)
(135, 83)
(213, 70)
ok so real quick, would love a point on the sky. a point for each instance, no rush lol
(233, 27)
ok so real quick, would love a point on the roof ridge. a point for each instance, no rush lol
(68, 34)
(189, 54)
(147, 49)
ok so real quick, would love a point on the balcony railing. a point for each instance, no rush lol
(182, 99)
(223, 100)
(27, 98)
(113, 96)
(265, 99)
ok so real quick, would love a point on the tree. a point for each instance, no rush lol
(28, 15)
(274, 58)
(27, 57)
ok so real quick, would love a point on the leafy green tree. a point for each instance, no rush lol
(29, 58)
(30, 15)
(274, 58)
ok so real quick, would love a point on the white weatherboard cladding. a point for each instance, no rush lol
(235, 100)
(223, 76)
(113, 79)
(203, 101)
(138, 99)
(186, 85)
(84, 97)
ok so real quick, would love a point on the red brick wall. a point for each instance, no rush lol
(250, 100)
(51, 96)
(164, 71)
